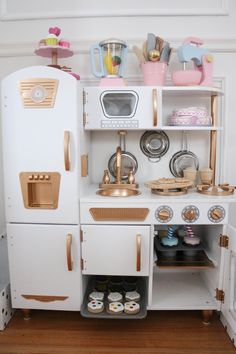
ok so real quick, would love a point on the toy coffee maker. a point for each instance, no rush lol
(111, 57)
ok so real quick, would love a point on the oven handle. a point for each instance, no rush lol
(66, 150)
(154, 105)
(138, 254)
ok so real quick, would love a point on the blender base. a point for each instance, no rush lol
(112, 81)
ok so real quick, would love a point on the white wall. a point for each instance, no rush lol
(23, 23)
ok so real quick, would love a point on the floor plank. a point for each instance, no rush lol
(162, 332)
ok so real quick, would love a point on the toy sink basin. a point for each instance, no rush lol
(186, 77)
(118, 192)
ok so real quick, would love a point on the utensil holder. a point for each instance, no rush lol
(154, 73)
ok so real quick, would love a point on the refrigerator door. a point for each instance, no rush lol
(45, 266)
(41, 111)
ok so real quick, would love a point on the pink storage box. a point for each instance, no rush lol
(154, 73)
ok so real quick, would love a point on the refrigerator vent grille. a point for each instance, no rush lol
(38, 93)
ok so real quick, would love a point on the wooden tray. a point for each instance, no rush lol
(169, 186)
(221, 189)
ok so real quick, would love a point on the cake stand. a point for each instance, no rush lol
(55, 52)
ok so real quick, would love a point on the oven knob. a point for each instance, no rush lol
(190, 213)
(216, 213)
(36, 177)
(47, 177)
(164, 214)
(41, 177)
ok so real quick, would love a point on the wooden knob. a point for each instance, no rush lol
(190, 214)
(216, 214)
(164, 214)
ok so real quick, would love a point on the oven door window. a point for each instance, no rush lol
(119, 104)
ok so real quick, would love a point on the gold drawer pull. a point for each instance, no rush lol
(68, 251)
(66, 150)
(154, 104)
(138, 249)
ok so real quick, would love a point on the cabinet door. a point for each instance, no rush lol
(44, 266)
(228, 310)
(115, 250)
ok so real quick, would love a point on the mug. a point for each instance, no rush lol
(206, 175)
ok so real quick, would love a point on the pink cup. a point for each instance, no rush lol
(154, 73)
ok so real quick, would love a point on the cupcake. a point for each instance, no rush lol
(64, 43)
(51, 40)
(169, 241)
(101, 283)
(42, 43)
(191, 241)
(130, 284)
(116, 284)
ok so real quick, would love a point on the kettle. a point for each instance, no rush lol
(111, 54)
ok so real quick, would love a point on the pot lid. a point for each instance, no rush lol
(113, 41)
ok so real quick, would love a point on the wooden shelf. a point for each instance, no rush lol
(192, 128)
(192, 90)
(200, 261)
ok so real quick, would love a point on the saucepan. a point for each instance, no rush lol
(183, 159)
(154, 144)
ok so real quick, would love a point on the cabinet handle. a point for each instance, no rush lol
(66, 150)
(68, 251)
(138, 250)
(154, 105)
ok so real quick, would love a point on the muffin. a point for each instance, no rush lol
(51, 40)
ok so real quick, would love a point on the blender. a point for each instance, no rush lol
(111, 56)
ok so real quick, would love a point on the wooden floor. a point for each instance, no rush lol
(172, 332)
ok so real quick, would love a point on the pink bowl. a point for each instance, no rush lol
(186, 77)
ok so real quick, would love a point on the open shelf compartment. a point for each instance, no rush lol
(141, 289)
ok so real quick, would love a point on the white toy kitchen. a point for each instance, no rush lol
(90, 195)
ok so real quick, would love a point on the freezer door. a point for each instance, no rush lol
(41, 114)
(228, 310)
(44, 266)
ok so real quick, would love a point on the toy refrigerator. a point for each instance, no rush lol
(40, 118)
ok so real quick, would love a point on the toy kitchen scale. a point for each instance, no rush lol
(95, 230)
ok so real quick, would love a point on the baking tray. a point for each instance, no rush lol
(198, 260)
(142, 290)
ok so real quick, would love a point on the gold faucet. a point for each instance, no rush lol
(118, 165)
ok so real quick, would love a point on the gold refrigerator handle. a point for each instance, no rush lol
(138, 254)
(66, 150)
(154, 105)
(68, 251)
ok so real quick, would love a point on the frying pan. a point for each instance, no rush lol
(154, 144)
(183, 159)
(128, 162)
